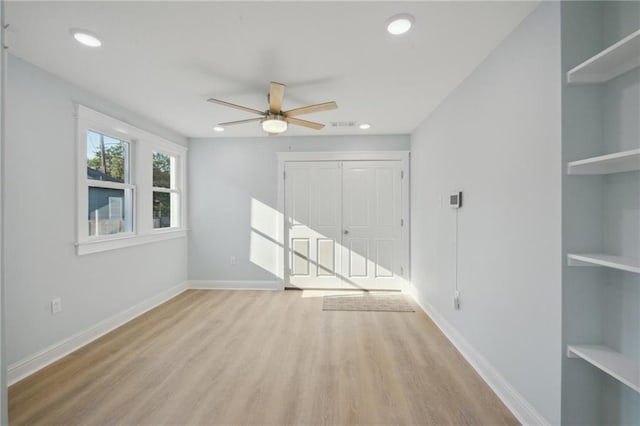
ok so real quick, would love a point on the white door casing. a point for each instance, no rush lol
(368, 199)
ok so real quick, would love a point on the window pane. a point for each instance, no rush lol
(107, 158)
(110, 211)
(163, 170)
(161, 209)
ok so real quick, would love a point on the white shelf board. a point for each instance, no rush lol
(618, 162)
(610, 63)
(615, 262)
(611, 362)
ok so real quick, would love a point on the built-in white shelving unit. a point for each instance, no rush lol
(611, 362)
(606, 65)
(600, 217)
(615, 262)
(610, 63)
(627, 161)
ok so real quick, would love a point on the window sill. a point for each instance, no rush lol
(96, 246)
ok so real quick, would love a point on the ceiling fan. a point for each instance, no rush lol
(274, 120)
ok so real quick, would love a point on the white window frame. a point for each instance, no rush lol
(93, 183)
(142, 144)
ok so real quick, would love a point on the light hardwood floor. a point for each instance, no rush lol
(224, 357)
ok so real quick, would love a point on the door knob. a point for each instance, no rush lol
(346, 231)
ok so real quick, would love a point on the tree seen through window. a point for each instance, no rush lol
(108, 156)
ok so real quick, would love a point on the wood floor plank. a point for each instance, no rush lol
(269, 358)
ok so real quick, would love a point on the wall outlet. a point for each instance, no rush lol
(456, 301)
(56, 306)
(233, 260)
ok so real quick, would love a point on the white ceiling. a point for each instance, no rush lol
(164, 59)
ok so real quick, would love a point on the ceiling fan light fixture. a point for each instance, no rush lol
(274, 124)
(400, 24)
(218, 129)
(86, 38)
(365, 126)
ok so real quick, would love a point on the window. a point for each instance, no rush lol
(110, 193)
(166, 195)
(130, 185)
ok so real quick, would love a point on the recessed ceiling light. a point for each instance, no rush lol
(365, 126)
(400, 24)
(218, 129)
(86, 38)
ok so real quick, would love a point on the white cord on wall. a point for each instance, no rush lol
(456, 293)
(456, 255)
(455, 202)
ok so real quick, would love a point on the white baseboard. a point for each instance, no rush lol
(515, 402)
(28, 366)
(234, 285)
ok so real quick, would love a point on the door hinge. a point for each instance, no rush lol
(401, 271)
(284, 175)
(401, 222)
(401, 174)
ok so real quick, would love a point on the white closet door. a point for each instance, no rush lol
(372, 232)
(313, 217)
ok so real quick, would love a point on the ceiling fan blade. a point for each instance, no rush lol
(276, 94)
(311, 108)
(249, 120)
(230, 105)
(304, 123)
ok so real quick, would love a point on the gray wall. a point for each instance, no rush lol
(40, 213)
(600, 213)
(225, 175)
(3, 361)
(497, 138)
